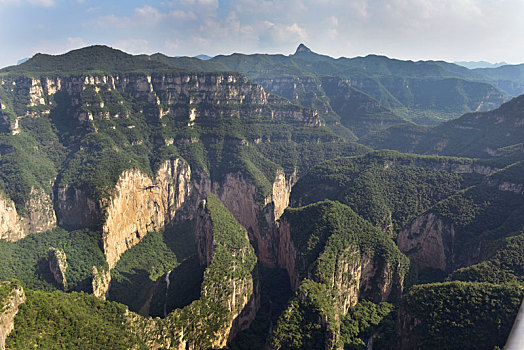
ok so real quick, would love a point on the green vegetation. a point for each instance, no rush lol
(6, 287)
(26, 259)
(328, 235)
(387, 188)
(461, 315)
(368, 320)
(96, 58)
(133, 279)
(72, 321)
(506, 264)
(425, 92)
(480, 134)
(308, 321)
(233, 260)
(327, 232)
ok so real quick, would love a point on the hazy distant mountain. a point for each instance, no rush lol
(203, 57)
(480, 134)
(479, 64)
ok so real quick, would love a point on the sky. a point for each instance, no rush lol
(451, 30)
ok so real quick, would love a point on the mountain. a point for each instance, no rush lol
(203, 57)
(479, 64)
(426, 92)
(481, 134)
(93, 58)
(507, 78)
(156, 202)
(302, 48)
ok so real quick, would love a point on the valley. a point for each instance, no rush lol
(259, 202)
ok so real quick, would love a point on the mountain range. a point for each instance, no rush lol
(259, 202)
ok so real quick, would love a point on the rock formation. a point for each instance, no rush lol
(40, 216)
(428, 242)
(139, 205)
(101, 281)
(9, 308)
(58, 266)
(229, 295)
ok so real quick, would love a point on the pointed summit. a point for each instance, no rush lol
(302, 48)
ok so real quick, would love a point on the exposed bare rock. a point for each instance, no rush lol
(40, 216)
(356, 275)
(229, 296)
(101, 282)
(57, 261)
(76, 209)
(139, 205)
(8, 310)
(11, 227)
(428, 242)
(407, 338)
(239, 195)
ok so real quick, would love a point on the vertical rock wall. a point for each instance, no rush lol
(8, 310)
(139, 205)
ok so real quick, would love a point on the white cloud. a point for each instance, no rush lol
(75, 43)
(182, 15)
(276, 33)
(146, 16)
(134, 46)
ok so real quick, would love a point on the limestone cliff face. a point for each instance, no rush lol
(101, 282)
(8, 310)
(238, 194)
(139, 205)
(428, 242)
(58, 265)
(229, 295)
(76, 209)
(11, 227)
(356, 275)
(40, 216)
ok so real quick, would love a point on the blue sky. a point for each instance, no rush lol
(452, 30)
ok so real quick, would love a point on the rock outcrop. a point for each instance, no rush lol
(76, 209)
(229, 295)
(139, 205)
(9, 308)
(356, 275)
(11, 227)
(101, 282)
(428, 242)
(239, 195)
(40, 216)
(350, 271)
(57, 261)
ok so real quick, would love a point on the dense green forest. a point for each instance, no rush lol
(342, 266)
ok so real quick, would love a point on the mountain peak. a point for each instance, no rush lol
(302, 48)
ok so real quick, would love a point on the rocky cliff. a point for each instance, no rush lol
(57, 261)
(239, 195)
(140, 204)
(356, 275)
(39, 216)
(11, 297)
(428, 242)
(229, 295)
(314, 245)
(101, 281)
